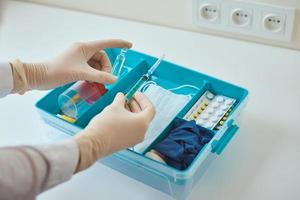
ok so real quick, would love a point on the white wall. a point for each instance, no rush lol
(173, 13)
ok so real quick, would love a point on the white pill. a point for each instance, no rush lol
(210, 96)
(204, 116)
(220, 113)
(215, 104)
(220, 99)
(208, 125)
(214, 119)
(224, 107)
(210, 110)
(228, 101)
(200, 122)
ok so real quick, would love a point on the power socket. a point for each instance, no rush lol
(245, 18)
(273, 23)
(241, 17)
(276, 23)
(209, 12)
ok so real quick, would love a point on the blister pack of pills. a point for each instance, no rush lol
(210, 110)
(199, 106)
(222, 121)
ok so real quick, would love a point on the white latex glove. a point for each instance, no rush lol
(117, 127)
(82, 61)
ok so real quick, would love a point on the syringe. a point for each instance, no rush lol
(143, 79)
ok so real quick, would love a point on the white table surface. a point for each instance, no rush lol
(262, 161)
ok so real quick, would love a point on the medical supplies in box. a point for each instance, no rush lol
(195, 120)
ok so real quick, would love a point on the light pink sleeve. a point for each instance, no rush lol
(26, 171)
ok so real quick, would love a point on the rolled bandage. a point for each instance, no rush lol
(155, 156)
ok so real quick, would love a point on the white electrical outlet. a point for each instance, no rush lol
(274, 23)
(245, 18)
(241, 18)
(209, 12)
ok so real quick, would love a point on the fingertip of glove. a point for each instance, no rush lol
(112, 79)
(125, 43)
(105, 77)
(119, 94)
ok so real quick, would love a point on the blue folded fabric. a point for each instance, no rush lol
(183, 143)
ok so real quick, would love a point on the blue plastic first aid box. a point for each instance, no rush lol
(174, 182)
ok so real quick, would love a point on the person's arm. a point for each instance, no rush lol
(26, 171)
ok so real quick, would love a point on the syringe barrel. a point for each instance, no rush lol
(136, 87)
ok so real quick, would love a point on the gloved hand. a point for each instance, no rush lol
(115, 128)
(82, 61)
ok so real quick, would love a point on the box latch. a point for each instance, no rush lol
(219, 145)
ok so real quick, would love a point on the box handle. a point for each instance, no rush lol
(219, 145)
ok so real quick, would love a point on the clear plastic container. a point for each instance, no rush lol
(167, 179)
(79, 98)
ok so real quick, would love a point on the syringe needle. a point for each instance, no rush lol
(155, 65)
(143, 79)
